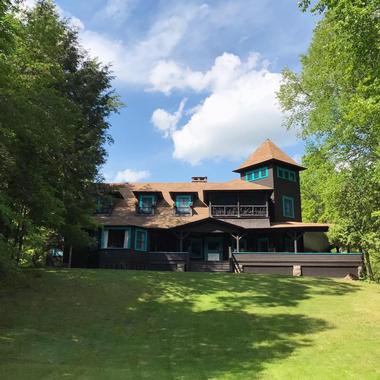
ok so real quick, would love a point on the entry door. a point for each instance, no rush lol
(213, 248)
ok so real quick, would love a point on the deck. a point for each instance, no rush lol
(286, 263)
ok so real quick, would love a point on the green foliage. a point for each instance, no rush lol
(54, 106)
(334, 102)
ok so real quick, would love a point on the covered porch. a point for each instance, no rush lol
(216, 240)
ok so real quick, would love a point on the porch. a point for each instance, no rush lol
(281, 263)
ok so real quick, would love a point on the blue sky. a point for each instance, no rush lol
(198, 80)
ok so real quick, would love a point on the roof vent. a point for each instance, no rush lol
(198, 179)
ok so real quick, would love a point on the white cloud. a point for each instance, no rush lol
(168, 75)
(132, 63)
(240, 111)
(129, 175)
(165, 121)
(73, 21)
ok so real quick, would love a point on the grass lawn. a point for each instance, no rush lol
(109, 324)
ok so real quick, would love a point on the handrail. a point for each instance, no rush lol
(239, 210)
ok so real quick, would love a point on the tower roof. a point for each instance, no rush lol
(267, 151)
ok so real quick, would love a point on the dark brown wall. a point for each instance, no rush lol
(281, 187)
(231, 197)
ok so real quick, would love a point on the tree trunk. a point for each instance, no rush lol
(70, 255)
(368, 266)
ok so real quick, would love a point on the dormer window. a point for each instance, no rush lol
(183, 204)
(146, 204)
(257, 174)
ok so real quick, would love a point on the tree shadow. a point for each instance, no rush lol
(203, 345)
(237, 291)
(159, 325)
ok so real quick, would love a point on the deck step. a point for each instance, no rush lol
(210, 266)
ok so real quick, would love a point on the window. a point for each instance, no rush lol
(288, 207)
(116, 238)
(256, 174)
(103, 205)
(289, 175)
(183, 204)
(141, 240)
(146, 204)
(263, 244)
(288, 245)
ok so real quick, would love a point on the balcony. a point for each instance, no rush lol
(239, 211)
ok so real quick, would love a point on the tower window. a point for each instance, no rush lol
(257, 174)
(289, 175)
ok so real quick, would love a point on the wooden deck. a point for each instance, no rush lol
(305, 264)
(296, 264)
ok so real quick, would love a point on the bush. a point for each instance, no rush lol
(8, 264)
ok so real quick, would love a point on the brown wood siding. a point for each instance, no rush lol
(333, 265)
(283, 270)
(283, 187)
(125, 259)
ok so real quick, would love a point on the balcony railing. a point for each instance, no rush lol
(239, 211)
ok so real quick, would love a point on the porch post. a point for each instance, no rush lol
(181, 236)
(237, 237)
(295, 236)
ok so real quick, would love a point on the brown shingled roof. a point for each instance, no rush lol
(265, 152)
(124, 212)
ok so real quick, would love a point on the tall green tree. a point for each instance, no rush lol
(54, 102)
(335, 104)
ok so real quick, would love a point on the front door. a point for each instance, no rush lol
(214, 248)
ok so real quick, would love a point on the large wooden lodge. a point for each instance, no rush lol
(250, 224)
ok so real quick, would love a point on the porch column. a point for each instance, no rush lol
(295, 236)
(181, 236)
(237, 237)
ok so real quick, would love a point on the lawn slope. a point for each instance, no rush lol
(108, 324)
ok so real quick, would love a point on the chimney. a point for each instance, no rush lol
(198, 179)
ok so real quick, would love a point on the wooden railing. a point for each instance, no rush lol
(239, 211)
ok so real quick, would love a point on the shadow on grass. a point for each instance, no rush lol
(158, 325)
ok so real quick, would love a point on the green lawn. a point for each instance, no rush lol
(109, 324)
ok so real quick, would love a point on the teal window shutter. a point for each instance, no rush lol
(146, 203)
(257, 174)
(183, 204)
(141, 240)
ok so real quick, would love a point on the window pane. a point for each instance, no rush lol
(140, 240)
(115, 239)
(263, 172)
(262, 245)
(213, 246)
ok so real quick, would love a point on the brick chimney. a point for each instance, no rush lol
(198, 179)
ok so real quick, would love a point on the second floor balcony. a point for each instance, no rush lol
(239, 211)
